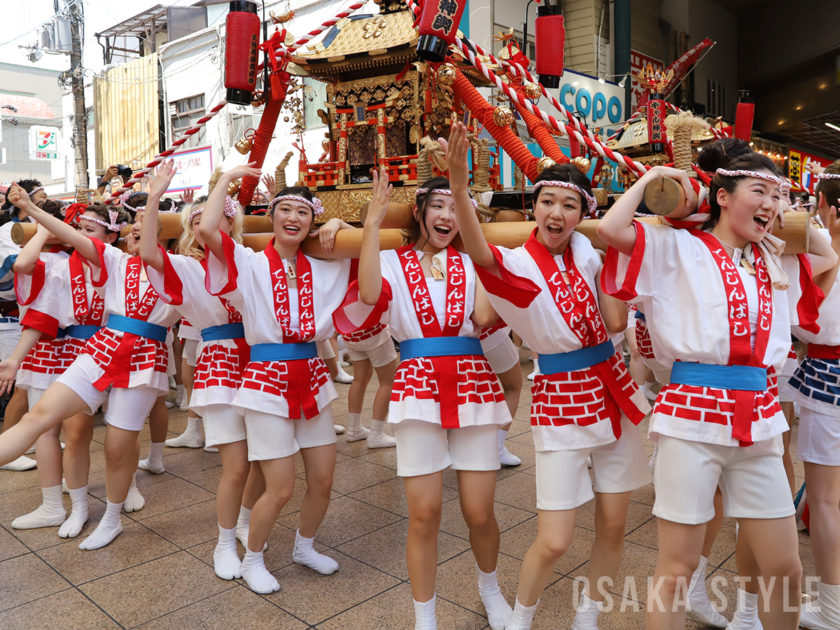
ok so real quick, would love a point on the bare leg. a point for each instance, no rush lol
(679, 554)
(15, 409)
(823, 483)
(319, 465)
(790, 416)
(425, 498)
(58, 403)
(362, 373)
(51, 512)
(158, 428)
(235, 467)
(775, 545)
(254, 489)
(378, 438)
(78, 434)
(554, 535)
(512, 387)
(637, 364)
(608, 548)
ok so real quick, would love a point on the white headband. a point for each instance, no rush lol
(231, 210)
(441, 191)
(113, 226)
(822, 175)
(315, 204)
(753, 174)
(591, 202)
(35, 190)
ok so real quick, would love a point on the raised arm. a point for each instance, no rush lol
(28, 257)
(214, 209)
(484, 314)
(149, 251)
(59, 228)
(616, 228)
(822, 253)
(459, 181)
(370, 269)
(613, 310)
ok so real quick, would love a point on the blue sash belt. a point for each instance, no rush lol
(137, 327)
(284, 351)
(79, 332)
(225, 331)
(737, 377)
(439, 347)
(576, 359)
(640, 315)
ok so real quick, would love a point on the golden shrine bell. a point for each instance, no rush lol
(233, 188)
(582, 164)
(533, 90)
(502, 116)
(243, 145)
(544, 163)
(258, 99)
(446, 74)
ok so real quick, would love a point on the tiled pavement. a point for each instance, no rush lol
(158, 573)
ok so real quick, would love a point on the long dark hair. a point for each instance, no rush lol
(733, 155)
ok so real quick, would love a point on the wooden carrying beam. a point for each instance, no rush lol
(401, 216)
(348, 243)
(170, 228)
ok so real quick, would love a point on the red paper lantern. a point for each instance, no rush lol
(243, 37)
(744, 121)
(438, 27)
(550, 36)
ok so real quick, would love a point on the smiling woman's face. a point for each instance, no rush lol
(292, 221)
(750, 208)
(441, 224)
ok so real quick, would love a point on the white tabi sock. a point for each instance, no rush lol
(72, 527)
(522, 617)
(378, 438)
(191, 438)
(699, 608)
(154, 462)
(109, 528)
(746, 613)
(225, 559)
(824, 614)
(50, 513)
(134, 501)
(498, 610)
(424, 615)
(305, 554)
(355, 431)
(255, 574)
(506, 458)
(586, 617)
(20, 464)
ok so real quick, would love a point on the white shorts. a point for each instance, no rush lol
(191, 352)
(274, 437)
(752, 479)
(503, 357)
(33, 395)
(127, 408)
(9, 338)
(325, 349)
(819, 438)
(563, 481)
(379, 356)
(424, 448)
(223, 425)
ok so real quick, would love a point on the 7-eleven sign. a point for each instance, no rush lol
(44, 143)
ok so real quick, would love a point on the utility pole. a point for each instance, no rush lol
(77, 21)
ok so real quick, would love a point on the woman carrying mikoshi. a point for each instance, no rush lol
(814, 387)
(124, 363)
(720, 313)
(221, 356)
(287, 301)
(447, 404)
(584, 402)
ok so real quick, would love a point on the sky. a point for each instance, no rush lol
(21, 19)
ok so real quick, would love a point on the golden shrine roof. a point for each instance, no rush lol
(636, 135)
(360, 35)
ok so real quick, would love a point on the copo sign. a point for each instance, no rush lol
(597, 102)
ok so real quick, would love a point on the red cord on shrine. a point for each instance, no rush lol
(243, 36)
